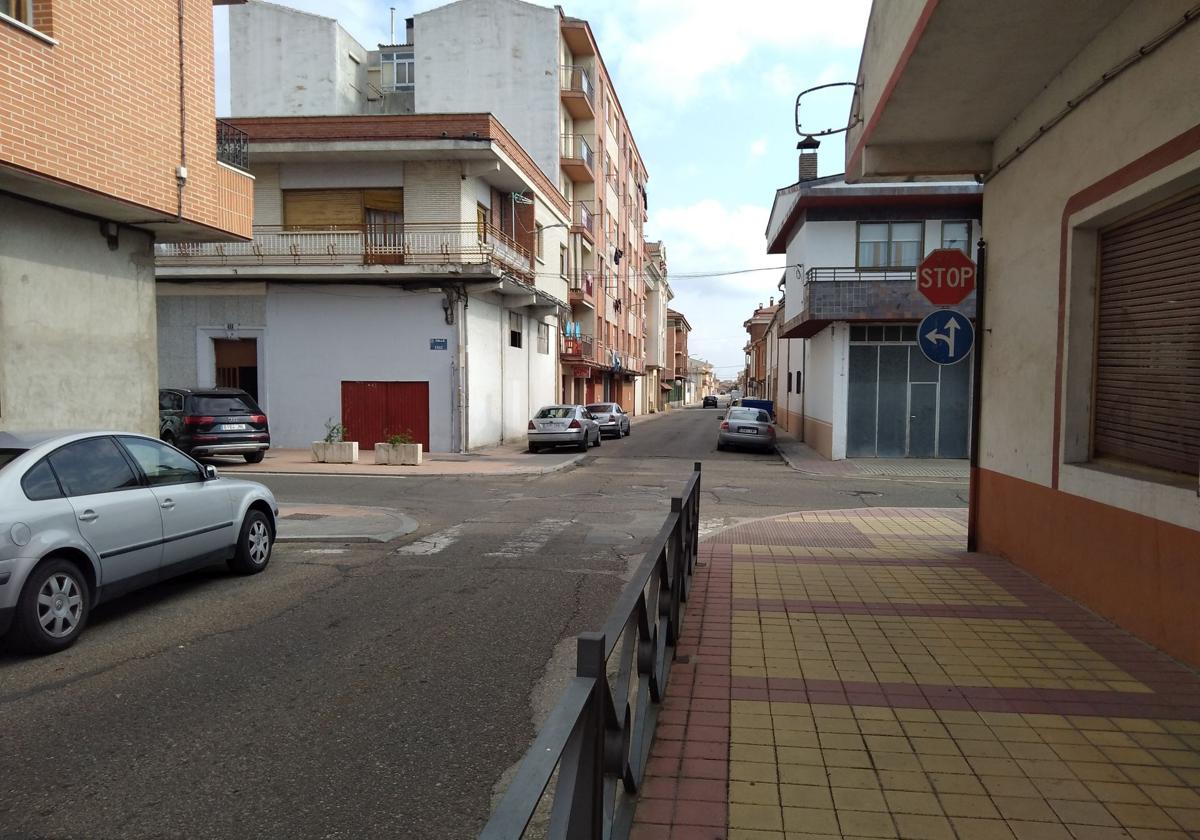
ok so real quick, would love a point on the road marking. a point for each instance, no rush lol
(434, 543)
(531, 540)
(325, 550)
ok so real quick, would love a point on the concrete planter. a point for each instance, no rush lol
(399, 454)
(345, 452)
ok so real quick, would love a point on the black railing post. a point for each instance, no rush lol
(587, 812)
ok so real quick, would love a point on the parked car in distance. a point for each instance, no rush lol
(612, 419)
(563, 425)
(85, 517)
(709, 402)
(749, 427)
(213, 421)
(724, 400)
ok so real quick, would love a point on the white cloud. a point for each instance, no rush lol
(679, 49)
(781, 80)
(758, 148)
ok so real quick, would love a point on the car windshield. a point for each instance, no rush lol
(600, 408)
(7, 455)
(221, 404)
(749, 414)
(556, 411)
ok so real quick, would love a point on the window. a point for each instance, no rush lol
(957, 235)
(168, 401)
(789, 382)
(481, 222)
(40, 484)
(398, 71)
(161, 464)
(540, 242)
(563, 263)
(514, 329)
(890, 244)
(543, 338)
(799, 382)
(92, 466)
(21, 10)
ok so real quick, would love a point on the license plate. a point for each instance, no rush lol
(234, 427)
(748, 430)
(553, 426)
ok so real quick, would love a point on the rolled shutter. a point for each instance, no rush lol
(1147, 394)
(323, 209)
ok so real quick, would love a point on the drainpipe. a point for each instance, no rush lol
(977, 395)
(181, 173)
(464, 382)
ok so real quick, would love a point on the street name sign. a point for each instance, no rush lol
(946, 277)
(946, 336)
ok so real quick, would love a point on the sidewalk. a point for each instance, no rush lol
(857, 674)
(802, 458)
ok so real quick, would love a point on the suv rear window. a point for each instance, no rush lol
(218, 404)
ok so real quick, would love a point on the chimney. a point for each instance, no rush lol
(808, 158)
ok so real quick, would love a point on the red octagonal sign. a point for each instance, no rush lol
(946, 277)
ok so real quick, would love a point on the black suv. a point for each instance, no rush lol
(214, 421)
(710, 401)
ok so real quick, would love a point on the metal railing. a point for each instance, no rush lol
(585, 282)
(575, 147)
(596, 742)
(583, 217)
(391, 242)
(582, 347)
(575, 78)
(823, 274)
(233, 145)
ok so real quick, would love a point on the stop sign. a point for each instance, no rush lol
(946, 277)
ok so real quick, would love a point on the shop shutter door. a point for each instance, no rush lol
(1147, 396)
(322, 209)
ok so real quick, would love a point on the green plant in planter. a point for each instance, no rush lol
(404, 437)
(334, 432)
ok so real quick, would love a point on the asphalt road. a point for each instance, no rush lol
(365, 691)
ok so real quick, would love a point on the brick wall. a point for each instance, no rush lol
(100, 110)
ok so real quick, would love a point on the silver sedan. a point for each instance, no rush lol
(749, 427)
(612, 419)
(563, 425)
(85, 517)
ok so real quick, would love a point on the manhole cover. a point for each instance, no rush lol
(304, 517)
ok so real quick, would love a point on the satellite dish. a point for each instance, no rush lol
(855, 119)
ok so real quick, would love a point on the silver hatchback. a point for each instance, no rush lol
(85, 517)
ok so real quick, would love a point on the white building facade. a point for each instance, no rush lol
(849, 377)
(391, 285)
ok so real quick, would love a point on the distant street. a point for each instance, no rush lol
(367, 690)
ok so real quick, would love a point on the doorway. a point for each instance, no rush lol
(374, 411)
(237, 364)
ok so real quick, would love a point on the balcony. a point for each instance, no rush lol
(407, 244)
(853, 294)
(578, 95)
(578, 159)
(233, 146)
(583, 289)
(585, 348)
(583, 221)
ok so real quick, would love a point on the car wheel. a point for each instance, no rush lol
(53, 608)
(254, 457)
(534, 449)
(254, 544)
(583, 444)
(599, 439)
(168, 438)
(628, 429)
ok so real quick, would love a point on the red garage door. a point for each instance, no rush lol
(374, 411)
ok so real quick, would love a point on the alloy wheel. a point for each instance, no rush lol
(60, 605)
(259, 540)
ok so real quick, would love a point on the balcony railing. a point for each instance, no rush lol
(582, 348)
(584, 283)
(233, 145)
(575, 147)
(574, 78)
(582, 218)
(404, 243)
(860, 294)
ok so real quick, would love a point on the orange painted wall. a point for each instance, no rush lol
(1142, 573)
(819, 435)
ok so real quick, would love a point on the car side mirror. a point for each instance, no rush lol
(210, 472)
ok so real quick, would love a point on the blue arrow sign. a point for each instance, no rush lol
(946, 336)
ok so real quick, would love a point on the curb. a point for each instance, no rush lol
(539, 471)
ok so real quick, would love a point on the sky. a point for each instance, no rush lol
(709, 89)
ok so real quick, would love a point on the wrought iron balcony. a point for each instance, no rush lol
(345, 245)
(578, 94)
(583, 220)
(233, 146)
(847, 293)
(584, 348)
(578, 159)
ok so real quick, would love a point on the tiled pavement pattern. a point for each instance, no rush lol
(856, 674)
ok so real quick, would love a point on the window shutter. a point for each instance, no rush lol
(1147, 393)
(322, 209)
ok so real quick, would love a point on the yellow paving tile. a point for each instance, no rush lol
(754, 793)
(761, 817)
